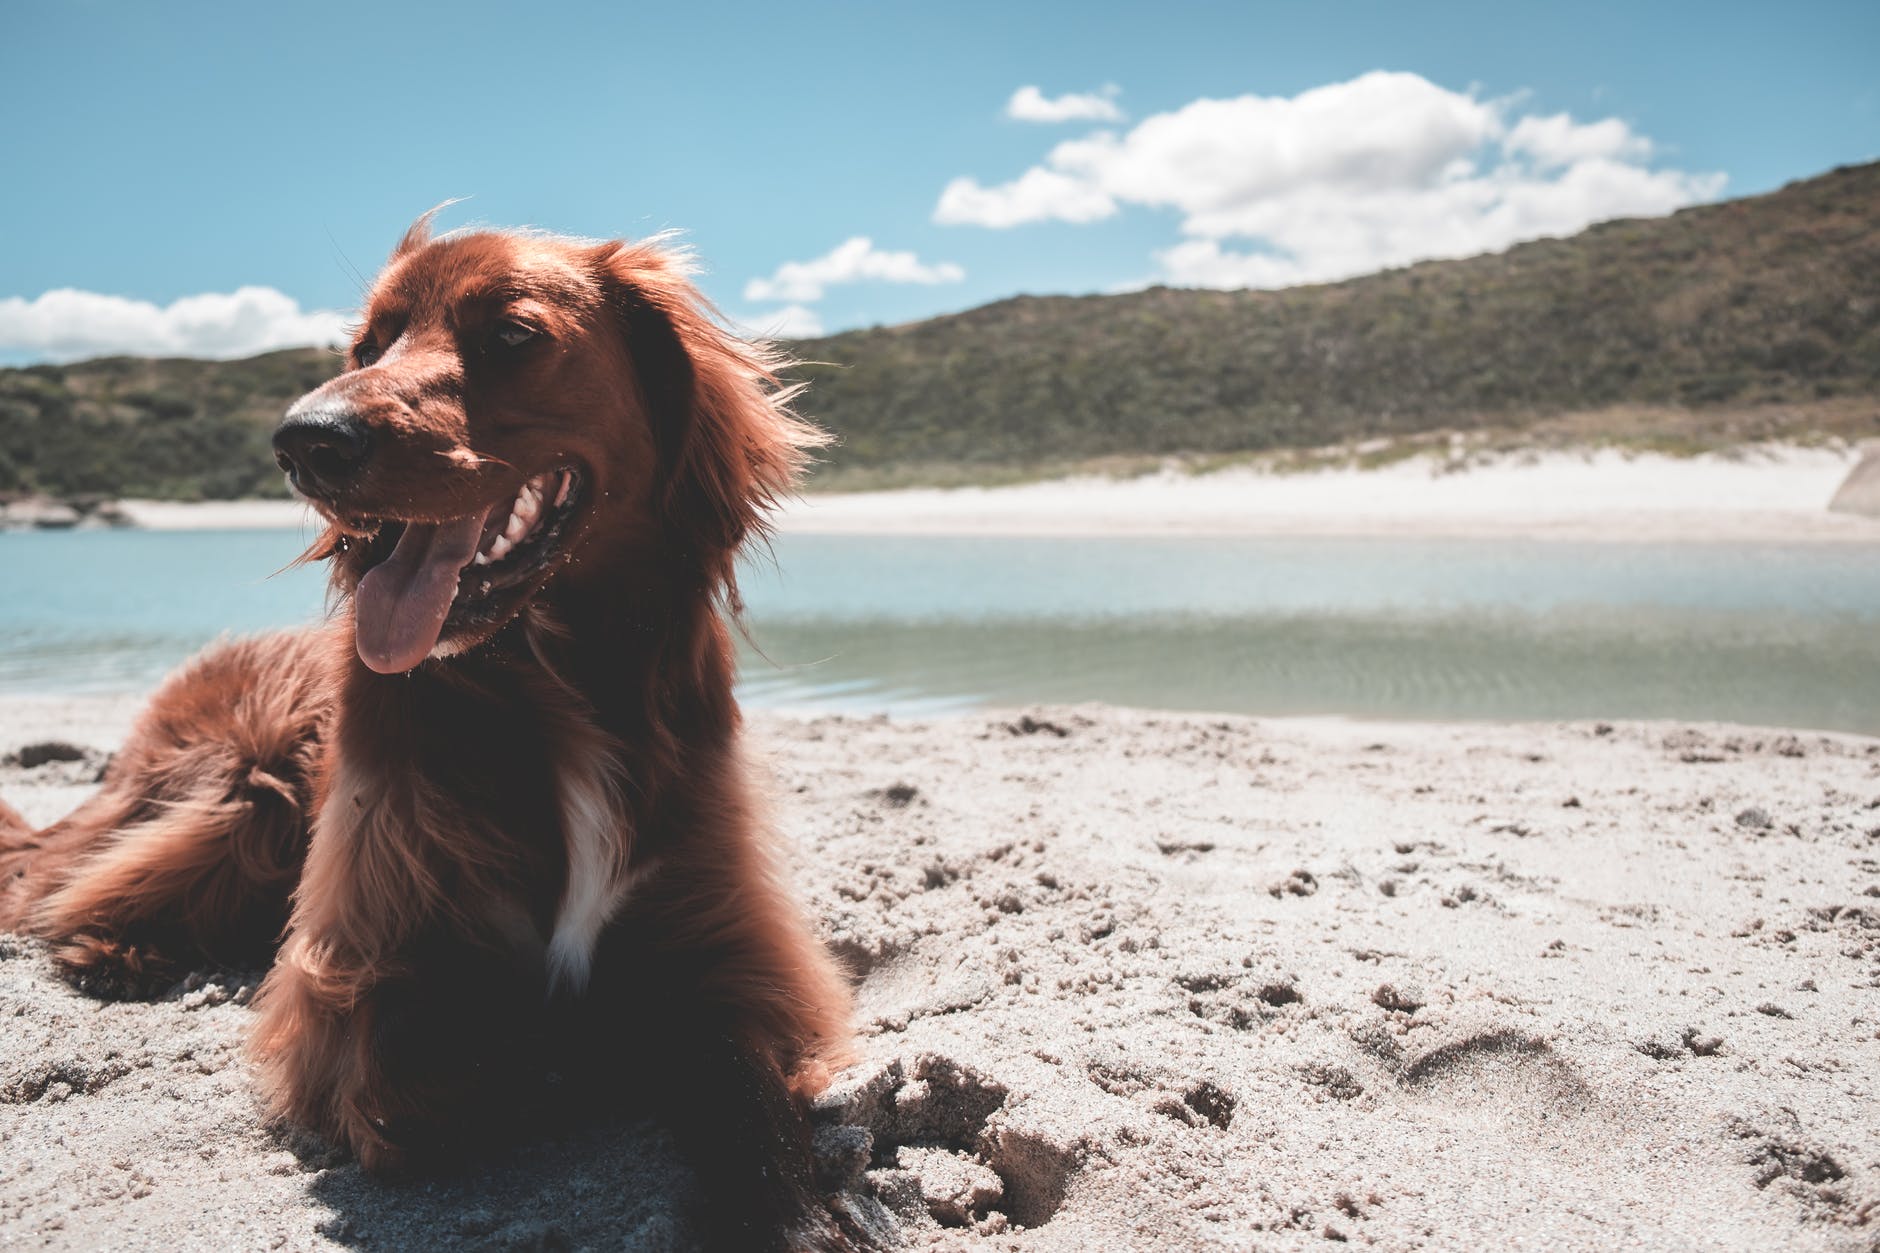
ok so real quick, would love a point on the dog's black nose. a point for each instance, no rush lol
(321, 445)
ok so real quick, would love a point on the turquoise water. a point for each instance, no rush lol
(1781, 635)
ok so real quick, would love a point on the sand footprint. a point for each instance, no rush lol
(1516, 1076)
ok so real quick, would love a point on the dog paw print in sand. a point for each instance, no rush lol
(1782, 1158)
(897, 795)
(1240, 999)
(1332, 1221)
(932, 1142)
(1666, 1045)
(1201, 1103)
(1855, 932)
(1300, 882)
(1331, 1081)
(61, 1080)
(1196, 1103)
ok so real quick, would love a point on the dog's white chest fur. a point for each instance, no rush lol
(594, 827)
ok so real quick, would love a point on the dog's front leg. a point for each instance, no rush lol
(726, 1102)
(723, 1096)
(714, 1039)
(412, 1064)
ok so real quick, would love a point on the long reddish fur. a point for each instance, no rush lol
(402, 838)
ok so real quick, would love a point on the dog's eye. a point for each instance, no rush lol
(365, 352)
(512, 334)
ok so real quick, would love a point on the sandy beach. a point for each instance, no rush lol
(1142, 981)
(1761, 492)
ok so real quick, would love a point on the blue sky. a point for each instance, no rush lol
(160, 152)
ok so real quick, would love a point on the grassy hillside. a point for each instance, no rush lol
(1724, 308)
(167, 429)
(1751, 318)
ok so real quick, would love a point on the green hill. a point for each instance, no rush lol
(1723, 308)
(1750, 318)
(168, 429)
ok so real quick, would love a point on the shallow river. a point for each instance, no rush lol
(1782, 635)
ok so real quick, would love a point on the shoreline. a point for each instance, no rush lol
(104, 716)
(1763, 493)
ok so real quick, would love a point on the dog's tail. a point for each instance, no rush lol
(16, 849)
(13, 828)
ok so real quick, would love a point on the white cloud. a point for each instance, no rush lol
(852, 261)
(1558, 140)
(1037, 195)
(66, 324)
(1341, 180)
(789, 322)
(1028, 104)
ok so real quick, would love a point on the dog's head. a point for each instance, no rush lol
(521, 413)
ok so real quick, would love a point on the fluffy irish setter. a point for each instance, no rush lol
(491, 823)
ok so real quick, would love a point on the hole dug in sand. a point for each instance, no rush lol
(932, 1143)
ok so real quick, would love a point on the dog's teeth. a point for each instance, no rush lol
(499, 548)
(561, 491)
(481, 559)
(516, 527)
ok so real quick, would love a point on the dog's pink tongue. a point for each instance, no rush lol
(401, 603)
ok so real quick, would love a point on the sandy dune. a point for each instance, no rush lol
(1139, 981)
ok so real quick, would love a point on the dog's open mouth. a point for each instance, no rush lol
(426, 578)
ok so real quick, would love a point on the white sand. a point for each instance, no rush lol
(1139, 981)
(220, 515)
(1768, 492)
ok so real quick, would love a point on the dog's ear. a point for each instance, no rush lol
(730, 447)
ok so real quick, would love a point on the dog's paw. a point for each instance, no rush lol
(383, 1157)
(408, 1147)
(111, 969)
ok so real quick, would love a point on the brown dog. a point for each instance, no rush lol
(501, 791)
